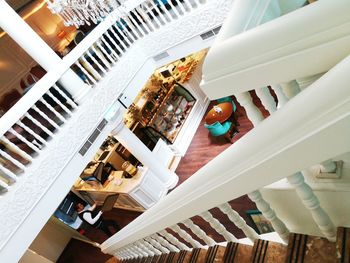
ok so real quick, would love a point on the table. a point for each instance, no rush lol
(220, 113)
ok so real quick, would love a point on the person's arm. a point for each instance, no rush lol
(88, 217)
(92, 208)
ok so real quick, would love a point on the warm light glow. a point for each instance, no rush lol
(32, 11)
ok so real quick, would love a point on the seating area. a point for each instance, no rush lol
(220, 120)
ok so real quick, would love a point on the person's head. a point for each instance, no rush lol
(79, 207)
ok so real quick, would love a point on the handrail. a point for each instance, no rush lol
(259, 158)
(262, 52)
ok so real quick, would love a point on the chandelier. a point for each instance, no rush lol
(80, 12)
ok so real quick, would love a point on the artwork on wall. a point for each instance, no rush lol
(260, 224)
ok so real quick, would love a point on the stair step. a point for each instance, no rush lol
(310, 249)
(215, 254)
(343, 245)
(268, 252)
(198, 255)
(236, 252)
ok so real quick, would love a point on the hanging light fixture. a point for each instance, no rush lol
(80, 12)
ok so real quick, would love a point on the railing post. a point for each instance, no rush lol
(199, 232)
(14, 25)
(281, 97)
(134, 145)
(253, 113)
(266, 99)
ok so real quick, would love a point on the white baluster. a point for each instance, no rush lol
(199, 232)
(30, 131)
(121, 43)
(186, 6)
(238, 221)
(217, 226)
(70, 102)
(281, 97)
(28, 143)
(270, 215)
(9, 176)
(143, 25)
(91, 69)
(166, 13)
(266, 99)
(290, 89)
(174, 240)
(46, 117)
(179, 4)
(160, 14)
(190, 3)
(145, 249)
(153, 17)
(109, 34)
(136, 34)
(165, 243)
(16, 149)
(139, 30)
(90, 54)
(145, 17)
(312, 203)
(187, 237)
(253, 113)
(115, 55)
(52, 109)
(12, 160)
(87, 74)
(104, 51)
(59, 103)
(37, 123)
(101, 57)
(158, 17)
(123, 34)
(3, 186)
(150, 247)
(174, 9)
(132, 252)
(157, 245)
(141, 251)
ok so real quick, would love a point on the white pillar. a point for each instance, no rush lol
(134, 145)
(31, 43)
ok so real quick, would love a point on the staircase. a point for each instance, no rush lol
(300, 248)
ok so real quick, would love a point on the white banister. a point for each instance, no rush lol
(187, 237)
(266, 210)
(259, 158)
(199, 232)
(281, 97)
(253, 113)
(311, 202)
(218, 227)
(236, 60)
(239, 221)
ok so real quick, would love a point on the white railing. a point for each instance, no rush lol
(259, 158)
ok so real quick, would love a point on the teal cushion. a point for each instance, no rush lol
(218, 129)
(227, 99)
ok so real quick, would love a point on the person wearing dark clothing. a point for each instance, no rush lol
(94, 218)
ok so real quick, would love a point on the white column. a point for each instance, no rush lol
(266, 99)
(253, 113)
(134, 145)
(312, 203)
(31, 43)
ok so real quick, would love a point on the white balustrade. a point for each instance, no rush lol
(270, 215)
(238, 221)
(218, 227)
(165, 243)
(141, 251)
(174, 240)
(281, 97)
(157, 245)
(199, 232)
(186, 236)
(150, 247)
(312, 203)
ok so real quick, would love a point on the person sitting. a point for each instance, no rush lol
(94, 218)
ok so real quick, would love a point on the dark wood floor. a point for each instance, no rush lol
(203, 148)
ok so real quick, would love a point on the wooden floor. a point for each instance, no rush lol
(203, 148)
